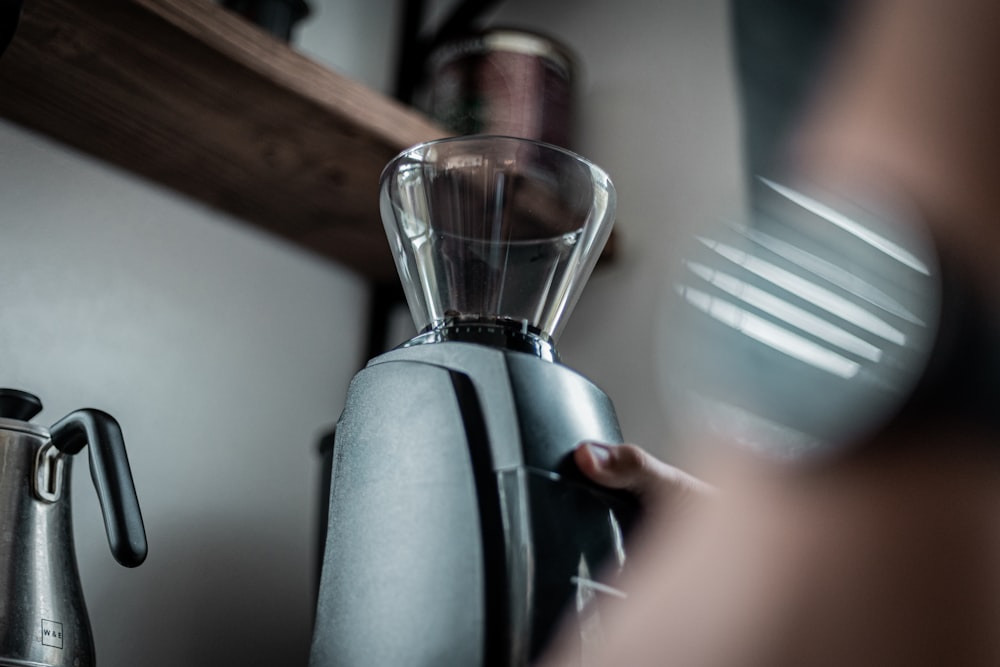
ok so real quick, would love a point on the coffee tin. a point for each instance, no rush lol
(503, 81)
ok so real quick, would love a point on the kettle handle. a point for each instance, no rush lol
(112, 478)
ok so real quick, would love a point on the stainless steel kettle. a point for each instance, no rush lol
(43, 619)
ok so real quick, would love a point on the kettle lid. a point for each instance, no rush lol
(17, 404)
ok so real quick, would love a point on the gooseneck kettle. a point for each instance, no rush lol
(43, 618)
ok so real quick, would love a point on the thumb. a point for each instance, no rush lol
(632, 468)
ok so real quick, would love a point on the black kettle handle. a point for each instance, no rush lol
(112, 478)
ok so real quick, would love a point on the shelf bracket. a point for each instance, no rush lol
(416, 42)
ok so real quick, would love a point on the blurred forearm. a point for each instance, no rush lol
(912, 99)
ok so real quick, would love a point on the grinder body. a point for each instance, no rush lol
(459, 530)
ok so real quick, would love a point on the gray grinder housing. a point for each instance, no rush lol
(460, 531)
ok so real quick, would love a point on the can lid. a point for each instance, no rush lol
(506, 40)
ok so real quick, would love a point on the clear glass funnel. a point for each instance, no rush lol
(494, 230)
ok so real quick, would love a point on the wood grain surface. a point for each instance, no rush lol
(195, 98)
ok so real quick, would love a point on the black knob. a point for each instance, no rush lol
(17, 404)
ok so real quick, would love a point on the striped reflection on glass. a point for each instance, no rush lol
(769, 333)
(787, 312)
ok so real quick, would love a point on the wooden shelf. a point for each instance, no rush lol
(193, 97)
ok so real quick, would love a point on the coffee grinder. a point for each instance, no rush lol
(459, 530)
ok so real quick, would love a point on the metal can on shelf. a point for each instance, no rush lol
(503, 81)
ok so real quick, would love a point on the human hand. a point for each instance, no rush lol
(631, 468)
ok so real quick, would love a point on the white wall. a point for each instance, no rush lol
(221, 353)
(657, 110)
(225, 353)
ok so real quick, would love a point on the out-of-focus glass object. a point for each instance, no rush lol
(805, 325)
(494, 230)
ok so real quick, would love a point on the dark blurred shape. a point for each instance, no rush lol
(417, 40)
(10, 14)
(780, 49)
(278, 17)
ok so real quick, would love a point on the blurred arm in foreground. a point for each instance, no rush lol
(890, 554)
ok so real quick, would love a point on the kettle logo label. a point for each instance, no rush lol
(52, 633)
